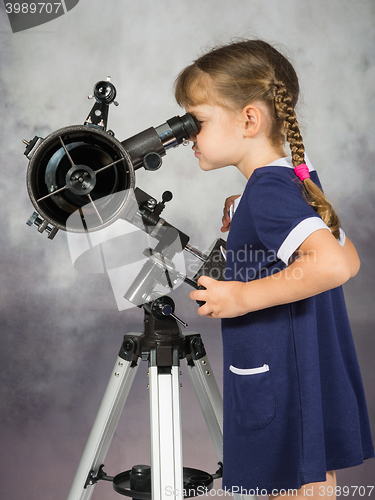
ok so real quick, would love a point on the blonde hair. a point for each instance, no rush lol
(243, 72)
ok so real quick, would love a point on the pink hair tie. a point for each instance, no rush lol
(302, 171)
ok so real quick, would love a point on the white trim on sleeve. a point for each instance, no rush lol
(298, 236)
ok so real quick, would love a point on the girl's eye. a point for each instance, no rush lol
(198, 121)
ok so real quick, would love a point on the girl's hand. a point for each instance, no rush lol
(223, 299)
(226, 219)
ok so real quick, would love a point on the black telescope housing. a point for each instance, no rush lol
(84, 170)
(85, 165)
(146, 148)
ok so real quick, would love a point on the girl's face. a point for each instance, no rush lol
(219, 143)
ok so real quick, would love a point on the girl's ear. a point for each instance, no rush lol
(252, 120)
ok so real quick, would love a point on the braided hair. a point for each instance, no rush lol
(247, 71)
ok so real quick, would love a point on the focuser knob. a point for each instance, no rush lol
(166, 196)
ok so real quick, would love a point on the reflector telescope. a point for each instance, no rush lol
(85, 164)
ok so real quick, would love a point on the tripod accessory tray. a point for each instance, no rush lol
(196, 482)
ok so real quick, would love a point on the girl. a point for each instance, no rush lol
(294, 406)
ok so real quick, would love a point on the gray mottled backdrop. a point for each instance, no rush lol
(61, 330)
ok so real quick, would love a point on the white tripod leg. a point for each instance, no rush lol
(103, 429)
(166, 435)
(209, 398)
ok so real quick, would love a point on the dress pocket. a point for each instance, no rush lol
(252, 396)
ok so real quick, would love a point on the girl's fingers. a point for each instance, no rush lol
(229, 202)
(226, 223)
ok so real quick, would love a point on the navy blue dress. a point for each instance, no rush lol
(294, 405)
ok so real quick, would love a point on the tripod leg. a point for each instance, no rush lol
(207, 392)
(103, 429)
(209, 397)
(166, 432)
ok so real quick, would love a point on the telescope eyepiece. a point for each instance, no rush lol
(190, 124)
(104, 92)
(183, 127)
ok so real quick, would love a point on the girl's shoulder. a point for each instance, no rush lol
(276, 188)
(281, 173)
(270, 178)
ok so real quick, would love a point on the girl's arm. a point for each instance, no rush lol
(322, 265)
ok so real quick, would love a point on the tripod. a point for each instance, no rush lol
(162, 345)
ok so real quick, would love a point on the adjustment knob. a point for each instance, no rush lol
(152, 161)
(163, 307)
(166, 196)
